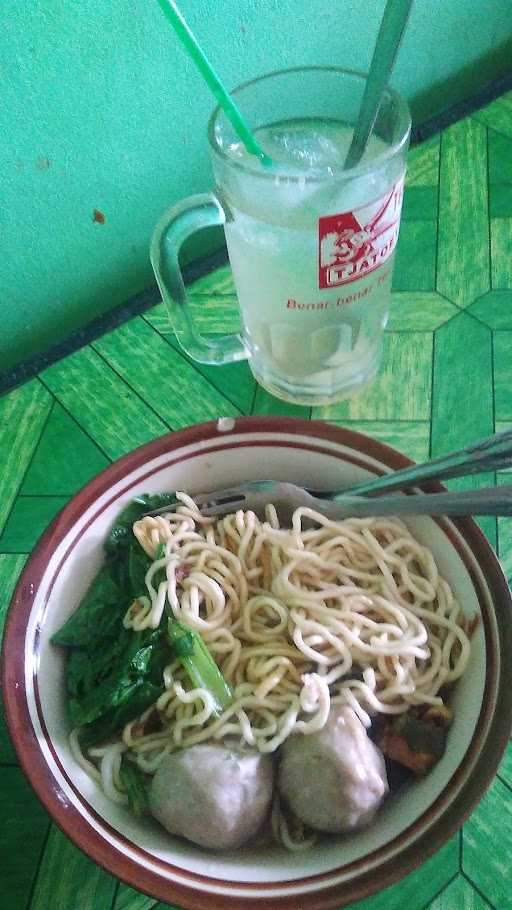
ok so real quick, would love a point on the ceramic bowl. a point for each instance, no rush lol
(410, 826)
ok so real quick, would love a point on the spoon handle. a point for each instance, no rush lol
(390, 33)
(487, 501)
(489, 454)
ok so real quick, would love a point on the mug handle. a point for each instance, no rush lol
(175, 226)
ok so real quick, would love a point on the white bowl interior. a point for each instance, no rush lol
(77, 560)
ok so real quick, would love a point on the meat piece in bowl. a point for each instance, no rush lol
(333, 780)
(213, 796)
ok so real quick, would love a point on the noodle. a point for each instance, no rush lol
(294, 618)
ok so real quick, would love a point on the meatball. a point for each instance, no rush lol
(333, 780)
(212, 795)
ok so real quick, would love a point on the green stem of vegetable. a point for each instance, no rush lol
(134, 785)
(199, 664)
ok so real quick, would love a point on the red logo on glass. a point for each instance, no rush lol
(353, 244)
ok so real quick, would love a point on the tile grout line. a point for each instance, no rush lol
(127, 384)
(498, 288)
(228, 295)
(493, 128)
(467, 311)
(460, 308)
(431, 421)
(39, 864)
(470, 306)
(75, 421)
(191, 364)
(15, 553)
(254, 394)
(478, 891)
(29, 464)
(436, 288)
(420, 331)
(489, 244)
(114, 895)
(436, 261)
(504, 782)
(44, 495)
(441, 890)
(479, 319)
(450, 318)
(393, 420)
(493, 380)
(493, 393)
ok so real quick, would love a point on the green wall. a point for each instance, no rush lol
(101, 110)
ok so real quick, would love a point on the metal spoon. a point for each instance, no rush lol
(390, 34)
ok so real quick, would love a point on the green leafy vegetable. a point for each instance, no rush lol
(114, 674)
(98, 615)
(138, 564)
(120, 535)
(88, 666)
(142, 696)
(133, 783)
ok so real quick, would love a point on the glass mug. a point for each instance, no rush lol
(311, 245)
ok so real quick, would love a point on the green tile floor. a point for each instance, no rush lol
(446, 379)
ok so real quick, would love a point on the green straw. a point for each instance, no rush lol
(227, 104)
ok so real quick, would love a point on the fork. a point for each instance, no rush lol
(287, 497)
